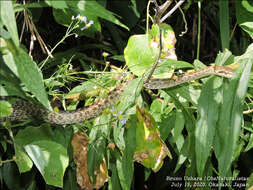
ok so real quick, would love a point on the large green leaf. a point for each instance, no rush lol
(8, 19)
(50, 157)
(230, 119)
(142, 51)
(208, 108)
(138, 54)
(30, 75)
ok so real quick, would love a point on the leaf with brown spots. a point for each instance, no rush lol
(150, 149)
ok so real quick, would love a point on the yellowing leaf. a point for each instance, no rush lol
(150, 149)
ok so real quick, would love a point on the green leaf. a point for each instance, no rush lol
(22, 7)
(94, 8)
(247, 5)
(139, 55)
(166, 67)
(229, 123)
(8, 19)
(250, 181)
(70, 180)
(250, 143)
(31, 134)
(142, 51)
(31, 76)
(22, 159)
(189, 118)
(130, 94)
(156, 110)
(10, 62)
(11, 177)
(118, 136)
(208, 108)
(179, 126)
(224, 58)
(8, 88)
(114, 181)
(167, 124)
(97, 144)
(64, 17)
(224, 24)
(57, 4)
(244, 18)
(5, 108)
(125, 165)
(50, 158)
(9, 85)
(188, 92)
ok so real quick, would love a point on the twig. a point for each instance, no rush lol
(35, 34)
(160, 10)
(185, 23)
(172, 11)
(159, 56)
(248, 111)
(160, 40)
(157, 20)
(33, 38)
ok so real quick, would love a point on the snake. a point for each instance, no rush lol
(23, 109)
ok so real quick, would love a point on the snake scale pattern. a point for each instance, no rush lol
(22, 110)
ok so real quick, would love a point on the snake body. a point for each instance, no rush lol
(23, 109)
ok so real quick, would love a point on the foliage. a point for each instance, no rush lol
(81, 51)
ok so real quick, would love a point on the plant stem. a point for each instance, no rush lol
(199, 28)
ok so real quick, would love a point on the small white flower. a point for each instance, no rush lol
(83, 19)
(88, 25)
